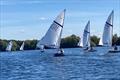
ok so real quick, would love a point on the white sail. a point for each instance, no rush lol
(9, 47)
(53, 36)
(108, 30)
(22, 46)
(86, 35)
(81, 42)
(100, 42)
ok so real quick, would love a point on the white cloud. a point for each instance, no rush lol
(78, 13)
(43, 18)
(22, 31)
(16, 2)
(32, 2)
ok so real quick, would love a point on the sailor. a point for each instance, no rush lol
(61, 50)
(86, 48)
(115, 47)
(91, 48)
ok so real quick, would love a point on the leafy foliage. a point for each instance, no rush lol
(94, 40)
(67, 42)
(3, 45)
(70, 41)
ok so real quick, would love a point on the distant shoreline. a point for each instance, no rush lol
(67, 42)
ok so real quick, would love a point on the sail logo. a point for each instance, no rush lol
(54, 27)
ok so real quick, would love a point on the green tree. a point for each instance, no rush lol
(30, 44)
(15, 46)
(67, 42)
(3, 45)
(94, 40)
(118, 41)
(70, 41)
(114, 39)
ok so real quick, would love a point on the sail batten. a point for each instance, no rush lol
(52, 37)
(58, 24)
(109, 24)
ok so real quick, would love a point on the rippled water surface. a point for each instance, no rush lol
(76, 65)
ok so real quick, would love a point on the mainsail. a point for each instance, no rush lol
(80, 42)
(22, 46)
(86, 35)
(108, 30)
(100, 42)
(9, 47)
(53, 36)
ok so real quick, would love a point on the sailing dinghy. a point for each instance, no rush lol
(22, 46)
(114, 50)
(52, 37)
(9, 46)
(100, 42)
(80, 43)
(86, 39)
(108, 33)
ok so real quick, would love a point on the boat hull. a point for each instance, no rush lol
(113, 51)
(58, 55)
(42, 51)
(90, 50)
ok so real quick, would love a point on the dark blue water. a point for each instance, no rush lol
(76, 65)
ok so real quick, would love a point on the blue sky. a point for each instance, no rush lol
(30, 19)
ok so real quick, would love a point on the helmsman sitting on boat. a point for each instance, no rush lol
(90, 49)
(114, 50)
(86, 48)
(60, 52)
(115, 47)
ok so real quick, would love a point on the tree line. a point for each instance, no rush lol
(67, 42)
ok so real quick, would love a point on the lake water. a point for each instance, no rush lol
(76, 65)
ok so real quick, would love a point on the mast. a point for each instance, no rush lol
(112, 24)
(59, 39)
